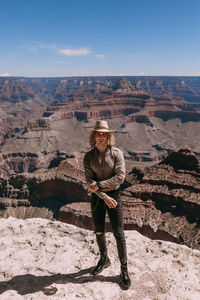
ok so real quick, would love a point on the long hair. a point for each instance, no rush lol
(111, 139)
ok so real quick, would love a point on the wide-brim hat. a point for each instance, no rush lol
(101, 126)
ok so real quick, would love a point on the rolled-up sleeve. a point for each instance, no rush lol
(119, 173)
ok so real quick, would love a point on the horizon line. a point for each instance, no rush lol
(103, 76)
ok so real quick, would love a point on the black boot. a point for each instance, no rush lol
(126, 281)
(104, 261)
(121, 247)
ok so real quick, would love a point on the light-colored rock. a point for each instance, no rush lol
(42, 259)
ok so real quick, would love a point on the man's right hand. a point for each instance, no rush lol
(112, 203)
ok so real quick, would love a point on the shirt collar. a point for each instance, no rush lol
(106, 153)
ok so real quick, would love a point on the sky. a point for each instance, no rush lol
(56, 38)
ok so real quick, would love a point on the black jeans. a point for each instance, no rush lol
(99, 208)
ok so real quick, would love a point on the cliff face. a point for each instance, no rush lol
(18, 88)
(167, 195)
(42, 193)
(161, 202)
(104, 97)
(15, 90)
(20, 162)
(109, 99)
(105, 100)
(185, 87)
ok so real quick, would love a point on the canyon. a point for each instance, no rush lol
(43, 135)
(153, 116)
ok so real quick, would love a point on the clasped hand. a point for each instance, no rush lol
(112, 203)
(93, 187)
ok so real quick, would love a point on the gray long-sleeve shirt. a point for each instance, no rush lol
(109, 173)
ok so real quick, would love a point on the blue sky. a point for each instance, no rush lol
(95, 37)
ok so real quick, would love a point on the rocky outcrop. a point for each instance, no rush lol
(16, 163)
(49, 190)
(56, 260)
(39, 124)
(167, 197)
(183, 159)
(184, 116)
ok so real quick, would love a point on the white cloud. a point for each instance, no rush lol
(74, 52)
(4, 74)
(102, 56)
(36, 46)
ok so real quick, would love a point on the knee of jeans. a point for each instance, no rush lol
(98, 233)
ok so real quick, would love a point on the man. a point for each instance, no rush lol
(104, 171)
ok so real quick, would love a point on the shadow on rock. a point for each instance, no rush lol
(28, 283)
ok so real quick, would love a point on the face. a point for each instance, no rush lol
(101, 138)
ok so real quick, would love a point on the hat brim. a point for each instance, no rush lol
(100, 130)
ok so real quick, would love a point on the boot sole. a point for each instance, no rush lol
(104, 267)
(124, 285)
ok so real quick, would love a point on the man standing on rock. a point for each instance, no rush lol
(104, 171)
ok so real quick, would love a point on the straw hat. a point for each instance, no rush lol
(101, 126)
